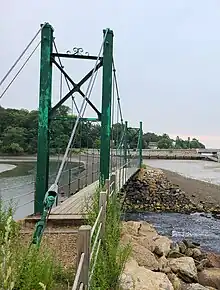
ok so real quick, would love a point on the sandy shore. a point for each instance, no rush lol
(196, 190)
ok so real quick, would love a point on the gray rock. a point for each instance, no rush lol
(182, 247)
(175, 247)
(196, 253)
(189, 252)
(202, 264)
(175, 254)
(185, 268)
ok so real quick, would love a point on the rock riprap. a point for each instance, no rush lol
(150, 190)
(156, 263)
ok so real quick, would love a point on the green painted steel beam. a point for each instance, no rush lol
(140, 145)
(75, 85)
(77, 56)
(106, 106)
(89, 119)
(76, 88)
(43, 117)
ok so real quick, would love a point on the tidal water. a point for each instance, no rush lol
(208, 171)
(17, 184)
(196, 227)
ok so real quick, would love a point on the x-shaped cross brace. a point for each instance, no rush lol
(76, 87)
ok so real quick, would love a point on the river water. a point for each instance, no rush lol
(208, 171)
(203, 229)
(17, 184)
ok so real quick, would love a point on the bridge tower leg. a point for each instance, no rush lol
(43, 117)
(140, 145)
(106, 107)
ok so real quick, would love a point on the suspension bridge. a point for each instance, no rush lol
(84, 167)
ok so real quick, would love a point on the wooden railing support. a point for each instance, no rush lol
(84, 246)
(102, 203)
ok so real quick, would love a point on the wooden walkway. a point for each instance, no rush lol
(76, 206)
(78, 203)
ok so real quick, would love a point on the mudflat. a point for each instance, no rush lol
(196, 190)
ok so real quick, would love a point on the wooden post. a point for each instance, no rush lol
(113, 179)
(84, 246)
(107, 186)
(102, 203)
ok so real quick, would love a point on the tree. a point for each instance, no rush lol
(19, 133)
(196, 144)
(165, 142)
(14, 148)
(15, 135)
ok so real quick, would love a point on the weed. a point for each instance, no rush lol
(112, 256)
(23, 267)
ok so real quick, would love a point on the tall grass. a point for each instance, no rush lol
(112, 256)
(24, 268)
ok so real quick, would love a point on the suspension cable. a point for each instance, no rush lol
(112, 121)
(67, 83)
(19, 71)
(117, 91)
(82, 109)
(19, 58)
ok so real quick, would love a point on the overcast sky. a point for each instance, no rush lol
(167, 55)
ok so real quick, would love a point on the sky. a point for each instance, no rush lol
(167, 56)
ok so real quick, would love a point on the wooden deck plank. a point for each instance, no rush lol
(76, 205)
(75, 202)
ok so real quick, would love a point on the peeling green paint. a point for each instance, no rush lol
(106, 107)
(43, 117)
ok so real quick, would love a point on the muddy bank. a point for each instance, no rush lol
(164, 191)
(157, 263)
(196, 190)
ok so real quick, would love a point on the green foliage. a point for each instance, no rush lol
(25, 268)
(165, 142)
(18, 133)
(97, 143)
(112, 256)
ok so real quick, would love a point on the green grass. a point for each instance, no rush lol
(23, 268)
(112, 256)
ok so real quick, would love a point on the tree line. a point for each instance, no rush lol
(19, 131)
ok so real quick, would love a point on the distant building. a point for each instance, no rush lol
(152, 145)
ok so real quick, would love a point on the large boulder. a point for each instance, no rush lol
(185, 268)
(140, 278)
(162, 246)
(139, 229)
(210, 277)
(147, 241)
(144, 257)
